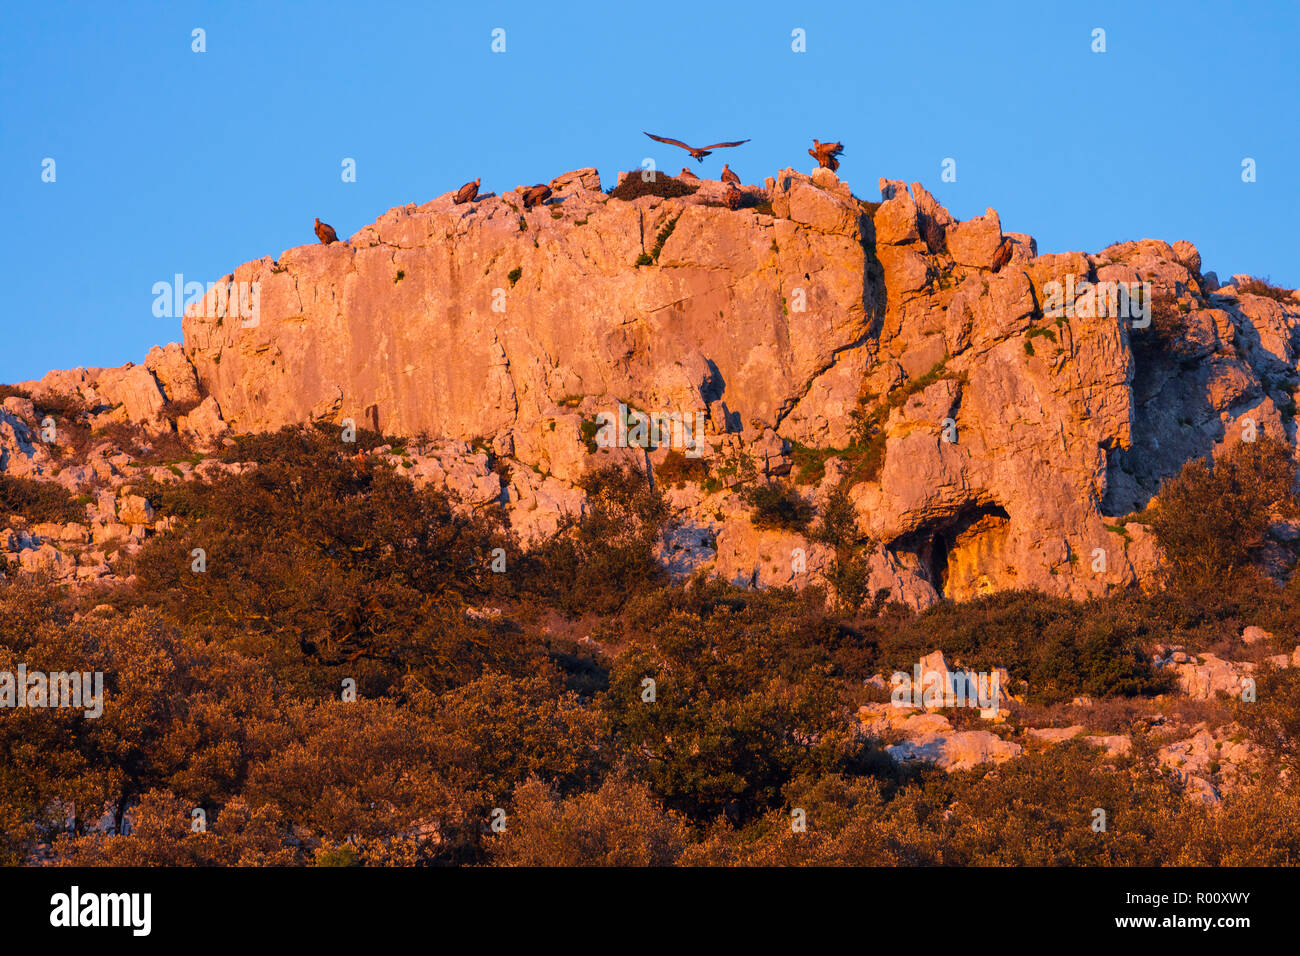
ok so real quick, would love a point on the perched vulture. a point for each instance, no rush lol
(325, 232)
(697, 153)
(734, 197)
(467, 192)
(728, 176)
(687, 174)
(534, 194)
(1003, 255)
(826, 154)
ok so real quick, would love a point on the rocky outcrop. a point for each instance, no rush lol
(988, 439)
(910, 735)
(481, 320)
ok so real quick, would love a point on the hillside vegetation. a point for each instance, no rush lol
(581, 707)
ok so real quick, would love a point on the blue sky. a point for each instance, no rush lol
(170, 161)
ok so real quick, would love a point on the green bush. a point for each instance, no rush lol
(38, 501)
(1258, 286)
(677, 469)
(326, 567)
(745, 698)
(1212, 520)
(1061, 648)
(777, 506)
(598, 560)
(662, 185)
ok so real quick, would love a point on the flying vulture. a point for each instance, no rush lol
(467, 192)
(325, 232)
(728, 176)
(1003, 255)
(697, 153)
(534, 194)
(826, 154)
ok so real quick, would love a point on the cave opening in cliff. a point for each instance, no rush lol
(937, 561)
(957, 554)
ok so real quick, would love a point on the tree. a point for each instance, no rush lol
(1212, 520)
(744, 697)
(597, 561)
(621, 824)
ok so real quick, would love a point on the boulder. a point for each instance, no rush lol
(959, 750)
(173, 373)
(204, 426)
(1253, 635)
(134, 510)
(975, 241)
(1209, 677)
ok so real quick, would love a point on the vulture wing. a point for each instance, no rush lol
(670, 142)
(720, 145)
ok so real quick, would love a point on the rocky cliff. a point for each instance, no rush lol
(991, 431)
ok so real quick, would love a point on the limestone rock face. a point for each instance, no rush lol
(132, 391)
(480, 320)
(204, 426)
(173, 373)
(991, 433)
(1015, 466)
(22, 453)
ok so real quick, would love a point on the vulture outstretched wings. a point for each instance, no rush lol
(697, 152)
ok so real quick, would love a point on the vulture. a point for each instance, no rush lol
(826, 154)
(697, 152)
(1003, 255)
(687, 174)
(325, 232)
(734, 197)
(467, 192)
(534, 194)
(728, 176)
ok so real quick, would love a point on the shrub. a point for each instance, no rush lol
(661, 238)
(302, 446)
(66, 407)
(621, 824)
(1212, 520)
(38, 501)
(744, 697)
(1272, 720)
(364, 576)
(596, 562)
(513, 729)
(810, 463)
(1062, 648)
(149, 449)
(677, 469)
(589, 429)
(634, 187)
(1257, 286)
(777, 506)
(850, 573)
(1165, 337)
